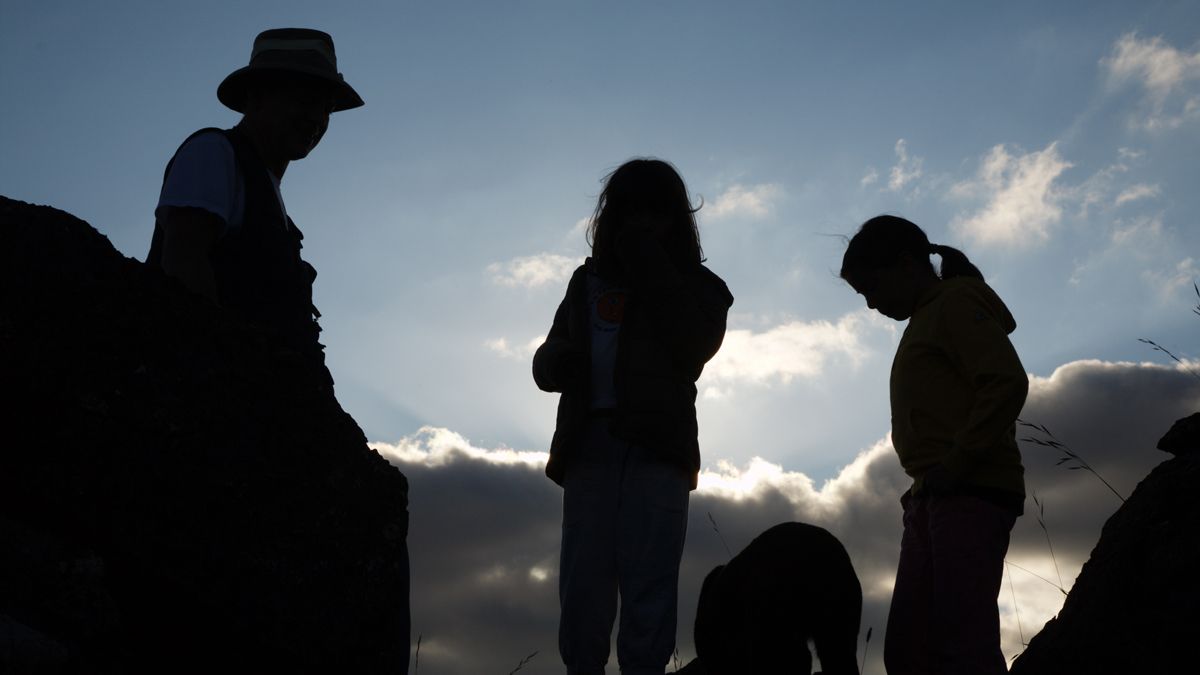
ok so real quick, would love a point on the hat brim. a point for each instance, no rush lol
(232, 90)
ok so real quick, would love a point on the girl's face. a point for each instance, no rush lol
(893, 290)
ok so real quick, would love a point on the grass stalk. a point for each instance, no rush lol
(1017, 611)
(866, 646)
(417, 656)
(719, 535)
(1042, 523)
(523, 662)
(1036, 575)
(1073, 459)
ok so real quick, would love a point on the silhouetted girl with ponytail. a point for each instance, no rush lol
(640, 319)
(957, 387)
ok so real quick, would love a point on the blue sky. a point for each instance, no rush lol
(1056, 143)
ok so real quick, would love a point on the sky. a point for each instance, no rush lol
(1057, 144)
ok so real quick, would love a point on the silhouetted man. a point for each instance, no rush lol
(221, 225)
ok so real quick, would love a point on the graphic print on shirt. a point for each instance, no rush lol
(606, 305)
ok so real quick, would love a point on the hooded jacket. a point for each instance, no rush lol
(674, 322)
(957, 387)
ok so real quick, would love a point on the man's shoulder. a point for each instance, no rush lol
(207, 141)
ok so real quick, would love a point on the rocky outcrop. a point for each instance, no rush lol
(178, 493)
(1133, 607)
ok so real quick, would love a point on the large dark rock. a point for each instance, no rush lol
(1133, 608)
(1183, 436)
(178, 493)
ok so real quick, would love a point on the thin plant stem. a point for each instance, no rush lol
(1036, 575)
(524, 661)
(1159, 348)
(1016, 611)
(1069, 455)
(417, 656)
(721, 536)
(866, 646)
(1042, 523)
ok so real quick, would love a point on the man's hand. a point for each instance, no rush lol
(188, 239)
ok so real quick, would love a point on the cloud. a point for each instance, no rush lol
(1171, 281)
(793, 349)
(906, 170)
(433, 447)
(1165, 73)
(523, 352)
(1142, 248)
(534, 271)
(1021, 200)
(486, 523)
(751, 202)
(1135, 192)
(869, 178)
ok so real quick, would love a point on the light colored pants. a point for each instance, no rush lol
(944, 619)
(624, 522)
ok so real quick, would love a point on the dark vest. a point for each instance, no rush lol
(259, 273)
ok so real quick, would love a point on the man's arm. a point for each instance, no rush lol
(189, 235)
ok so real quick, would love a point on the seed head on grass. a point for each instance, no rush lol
(1071, 458)
(1159, 348)
(866, 645)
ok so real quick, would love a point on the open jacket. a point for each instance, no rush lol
(673, 324)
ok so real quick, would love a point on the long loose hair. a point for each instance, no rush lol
(646, 187)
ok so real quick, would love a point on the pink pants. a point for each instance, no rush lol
(944, 619)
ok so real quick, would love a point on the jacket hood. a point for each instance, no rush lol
(980, 291)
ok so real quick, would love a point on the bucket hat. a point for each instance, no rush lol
(289, 50)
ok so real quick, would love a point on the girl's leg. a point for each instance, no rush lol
(587, 582)
(970, 539)
(906, 645)
(653, 524)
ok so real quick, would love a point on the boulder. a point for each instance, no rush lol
(1133, 607)
(178, 492)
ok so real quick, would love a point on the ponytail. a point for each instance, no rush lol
(955, 263)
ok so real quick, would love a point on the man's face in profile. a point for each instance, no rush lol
(294, 110)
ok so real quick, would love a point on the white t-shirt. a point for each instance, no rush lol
(206, 176)
(606, 305)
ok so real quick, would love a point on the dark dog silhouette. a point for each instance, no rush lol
(793, 583)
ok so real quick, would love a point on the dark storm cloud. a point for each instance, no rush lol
(485, 523)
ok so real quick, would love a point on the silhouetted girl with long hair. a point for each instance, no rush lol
(640, 319)
(957, 387)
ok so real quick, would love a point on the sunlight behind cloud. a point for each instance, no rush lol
(1165, 73)
(1135, 192)
(785, 352)
(745, 201)
(501, 347)
(906, 170)
(1022, 201)
(533, 271)
(439, 447)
